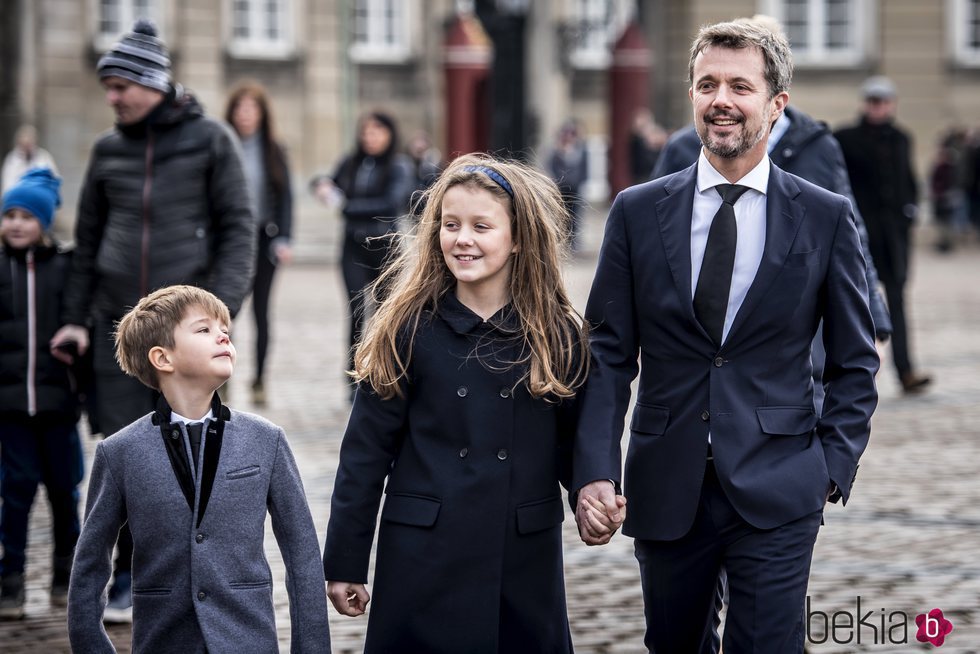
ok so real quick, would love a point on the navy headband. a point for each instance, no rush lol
(494, 175)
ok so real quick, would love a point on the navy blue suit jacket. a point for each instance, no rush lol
(775, 459)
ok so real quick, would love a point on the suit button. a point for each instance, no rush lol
(719, 362)
(199, 538)
(201, 595)
(462, 391)
(502, 454)
(463, 452)
(505, 393)
(705, 416)
(175, 434)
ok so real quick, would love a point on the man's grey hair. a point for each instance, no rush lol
(746, 33)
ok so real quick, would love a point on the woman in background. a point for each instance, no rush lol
(267, 173)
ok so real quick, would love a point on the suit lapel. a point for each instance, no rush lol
(212, 453)
(674, 215)
(784, 215)
(176, 451)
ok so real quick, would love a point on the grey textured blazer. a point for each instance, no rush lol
(201, 581)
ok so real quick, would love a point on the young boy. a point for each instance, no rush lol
(38, 400)
(195, 500)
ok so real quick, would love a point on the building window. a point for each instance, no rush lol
(381, 31)
(261, 28)
(824, 33)
(964, 31)
(116, 17)
(596, 25)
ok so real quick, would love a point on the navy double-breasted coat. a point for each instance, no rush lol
(469, 552)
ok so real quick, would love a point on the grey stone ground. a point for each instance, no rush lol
(909, 540)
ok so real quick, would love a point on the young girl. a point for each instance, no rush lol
(466, 376)
(38, 401)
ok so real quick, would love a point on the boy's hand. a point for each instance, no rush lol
(59, 343)
(599, 512)
(349, 599)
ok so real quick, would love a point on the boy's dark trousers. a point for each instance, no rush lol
(34, 450)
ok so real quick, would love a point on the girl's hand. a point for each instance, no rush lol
(349, 599)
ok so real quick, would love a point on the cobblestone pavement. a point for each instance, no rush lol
(908, 542)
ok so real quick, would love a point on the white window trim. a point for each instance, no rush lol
(163, 17)
(956, 35)
(399, 53)
(864, 29)
(255, 48)
(600, 58)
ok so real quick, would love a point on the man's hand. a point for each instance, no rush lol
(59, 343)
(599, 512)
(349, 599)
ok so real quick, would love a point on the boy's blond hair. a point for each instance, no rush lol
(152, 322)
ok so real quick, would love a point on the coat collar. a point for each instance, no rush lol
(463, 320)
(784, 216)
(175, 443)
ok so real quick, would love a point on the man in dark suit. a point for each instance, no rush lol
(879, 160)
(716, 278)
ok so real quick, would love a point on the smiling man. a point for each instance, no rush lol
(715, 278)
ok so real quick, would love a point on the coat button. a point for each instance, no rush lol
(463, 452)
(201, 595)
(199, 538)
(175, 434)
(462, 391)
(719, 362)
(505, 393)
(502, 454)
(705, 416)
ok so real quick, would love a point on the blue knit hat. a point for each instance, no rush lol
(37, 193)
(140, 57)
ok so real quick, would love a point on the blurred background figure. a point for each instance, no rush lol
(568, 166)
(878, 155)
(25, 155)
(267, 175)
(948, 187)
(426, 162)
(647, 139)
(373, 184)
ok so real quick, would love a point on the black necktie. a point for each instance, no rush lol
(194, 430)
(715, 279)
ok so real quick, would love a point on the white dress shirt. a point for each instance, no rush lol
(750, 220)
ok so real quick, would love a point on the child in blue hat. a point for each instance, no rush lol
(38, 400)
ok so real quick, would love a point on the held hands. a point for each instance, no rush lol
(349, 599)
(63, 339)
(599, 512)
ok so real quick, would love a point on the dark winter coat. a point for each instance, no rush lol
(377, 190)
(469, 548)
(164, 202)
(32, 284)
(879, 161)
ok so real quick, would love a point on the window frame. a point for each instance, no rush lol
(957, 34)
(251, 47)
(817, 55)
(162, 15)
(376, 51)
(594, 57)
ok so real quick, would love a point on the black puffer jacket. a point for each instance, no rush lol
(164, 202)
(31, 286)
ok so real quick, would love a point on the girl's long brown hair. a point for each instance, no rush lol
(272, 150)
(556, 354)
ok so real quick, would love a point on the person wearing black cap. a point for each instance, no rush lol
(164, 202)
(878, 154)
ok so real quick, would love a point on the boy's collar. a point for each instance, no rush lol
(164, 414)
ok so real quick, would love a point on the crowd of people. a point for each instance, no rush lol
(747, 326)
